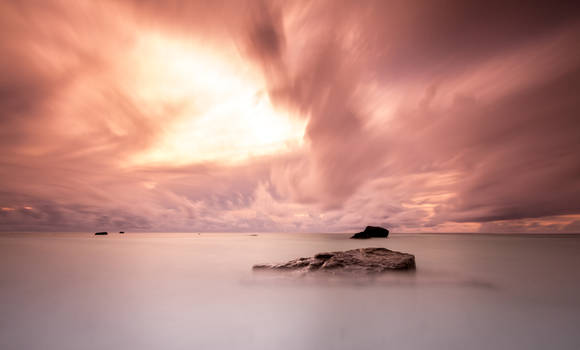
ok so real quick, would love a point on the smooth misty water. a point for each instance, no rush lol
(189, 291)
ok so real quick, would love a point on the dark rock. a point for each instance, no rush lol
(372, 232)
(121, 231)
(101, 233)
(364, 260)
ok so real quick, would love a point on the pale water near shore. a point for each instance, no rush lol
(190, 291)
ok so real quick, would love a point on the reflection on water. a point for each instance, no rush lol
(394, 279)
(190, 291)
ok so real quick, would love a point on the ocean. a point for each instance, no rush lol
(198, 291)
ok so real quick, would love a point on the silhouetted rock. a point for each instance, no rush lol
(372, 232)
(364, 260)
(101, 233)
(121, 231)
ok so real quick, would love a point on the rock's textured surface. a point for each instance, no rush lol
(372, 232)
(364, 260)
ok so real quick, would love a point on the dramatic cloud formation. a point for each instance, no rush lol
(289, 116)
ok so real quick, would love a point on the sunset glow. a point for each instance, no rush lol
(223, 110)
(289, 116)
(289, 174)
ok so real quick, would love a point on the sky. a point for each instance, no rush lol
(289, 116)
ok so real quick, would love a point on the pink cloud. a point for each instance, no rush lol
(443, 116)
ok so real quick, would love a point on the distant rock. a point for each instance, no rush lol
(372, 232)
(121, 231)
(101, 233)
(364, 260)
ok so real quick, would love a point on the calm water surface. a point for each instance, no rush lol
(189, 291)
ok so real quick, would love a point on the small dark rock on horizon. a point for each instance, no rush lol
(372, 232)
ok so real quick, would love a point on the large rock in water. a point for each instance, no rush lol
(364, 260)
(372, 232)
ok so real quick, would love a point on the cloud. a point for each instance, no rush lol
(447, 115)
